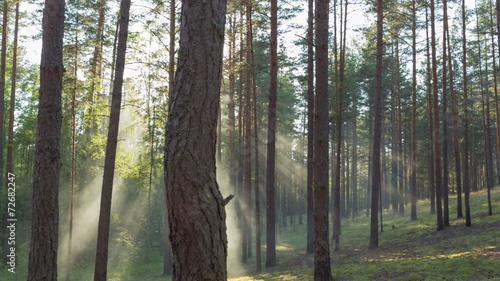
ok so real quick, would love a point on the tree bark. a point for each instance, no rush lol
(377, 132)
(436, 144)
(271, 141)
(322, 269)
(468, 221)
(45, 213)
(456, 136)
(495, 89)
(101, 261)
(413, 150)
(195, 204)
(446, 211)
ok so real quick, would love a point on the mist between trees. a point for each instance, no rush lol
(401, 103)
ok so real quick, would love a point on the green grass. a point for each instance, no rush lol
(413, 250)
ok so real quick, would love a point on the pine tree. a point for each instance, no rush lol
(45, 213)
(195, 205)
(101, 260)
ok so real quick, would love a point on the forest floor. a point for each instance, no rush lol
(408, 250)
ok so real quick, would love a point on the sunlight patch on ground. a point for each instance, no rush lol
(284, 247)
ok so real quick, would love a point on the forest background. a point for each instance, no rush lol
(138, 221)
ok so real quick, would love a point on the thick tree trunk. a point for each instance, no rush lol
(195, 204)
(322, 269)
(271, 141)
(45, 213)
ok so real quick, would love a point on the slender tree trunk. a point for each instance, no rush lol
(436, 147)
(399, 131)
(101, 263)
(10, 138)
(495, 89)
(339, 109)
(377, 131)
(355, 164)
(247, 191)
(446, 211)
(45, 213)
(394, 150)
(431, 117)
(456, 136)
(310, 125)
(497, 8)
(113, 55)
(96, 70)
(195, 205)
(413, 150)
(258, 250)
(485, 102)
(322, 270)
(468, 221)
(271, 141)
(3, 64)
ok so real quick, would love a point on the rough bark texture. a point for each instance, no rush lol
(45, 215)
(271, 141)
(101, 261)
(322, 269)
(195, 205)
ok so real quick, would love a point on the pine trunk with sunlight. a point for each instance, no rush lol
(195, 205)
